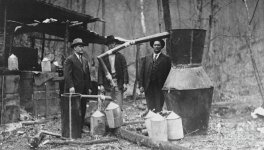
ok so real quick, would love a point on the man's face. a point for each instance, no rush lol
(157, 47)
(111, 45)
(79, 49)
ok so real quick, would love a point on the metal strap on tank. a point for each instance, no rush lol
(70, 117)
(183, 66)
(191, 47)
(2, 98)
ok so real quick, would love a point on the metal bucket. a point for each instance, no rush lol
(71, 123)
(149, 115)
(113, 115)
(159, 130)
(174, 125)
(98, 123)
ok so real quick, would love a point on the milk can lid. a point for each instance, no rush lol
(150, 114)
(97, 113)
(12, 56)
(157, 117)
(112, 105)
(173, 115)
(45, 59)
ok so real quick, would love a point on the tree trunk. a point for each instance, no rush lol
(199, 8)
(206, 58)
(167, 20)
(142, 18)
(159, 13)
(103, 26)
(83, 6)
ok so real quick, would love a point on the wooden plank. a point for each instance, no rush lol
(146, 141)
(42, 94)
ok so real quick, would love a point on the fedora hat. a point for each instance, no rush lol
(77, 41)
(161, 42)
(110, 39)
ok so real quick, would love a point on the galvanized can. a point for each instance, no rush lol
(98, 123)
(113, 115)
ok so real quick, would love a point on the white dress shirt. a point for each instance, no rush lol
(112, 62)
(156, 56)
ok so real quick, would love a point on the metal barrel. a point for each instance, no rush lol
(71, 120)
(188, 90)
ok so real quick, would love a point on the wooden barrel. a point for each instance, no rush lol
(71, 123)
(10, 99)
(26, 90)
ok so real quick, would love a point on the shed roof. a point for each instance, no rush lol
(58, 29)
(26, 11)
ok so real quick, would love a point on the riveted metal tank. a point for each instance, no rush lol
(188, 90)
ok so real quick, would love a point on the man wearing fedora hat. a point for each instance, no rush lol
(77, 73)
(153, 73)
(117, 66)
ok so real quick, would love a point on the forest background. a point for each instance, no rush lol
(229, 24)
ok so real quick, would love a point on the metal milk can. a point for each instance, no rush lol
(98, 123)
(113, 115)
(149, 115)
(12, 62)
(159, 128)
(45, 65)
(174, 126)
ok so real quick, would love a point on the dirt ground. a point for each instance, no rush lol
(230, 127)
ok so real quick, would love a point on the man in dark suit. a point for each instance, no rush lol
(77, 73)
(153, 73)
(117, 66)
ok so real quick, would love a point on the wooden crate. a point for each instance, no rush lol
(11, 109)
(46, 103)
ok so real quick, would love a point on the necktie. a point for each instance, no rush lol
(80, 58)
(155, 57)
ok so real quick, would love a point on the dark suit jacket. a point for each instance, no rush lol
(162, 69)
(121, 72)
(76, 75)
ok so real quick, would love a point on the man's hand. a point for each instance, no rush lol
(101, 88)
(141, 89)
(125, 87)
(72, 90)
(108, 76)
(89, 91)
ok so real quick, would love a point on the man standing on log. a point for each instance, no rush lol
(117, 66)
(153, 73)
(77, 73)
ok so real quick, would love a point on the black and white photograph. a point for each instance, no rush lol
(131, 75)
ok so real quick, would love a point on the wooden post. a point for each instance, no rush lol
(66, 38)
(43, 46)
(5, 32)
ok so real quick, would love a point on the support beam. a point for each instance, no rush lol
(5, 32)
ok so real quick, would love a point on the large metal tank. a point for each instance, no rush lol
(188, 90)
